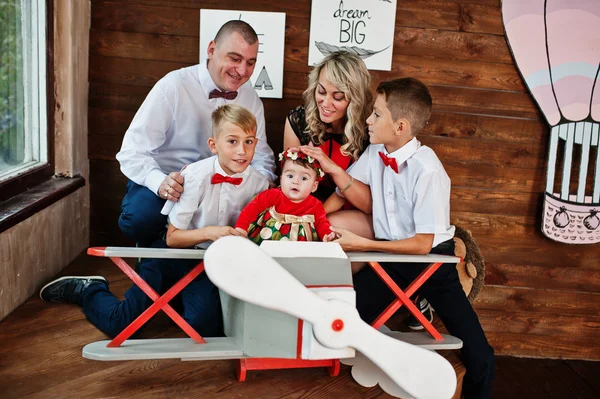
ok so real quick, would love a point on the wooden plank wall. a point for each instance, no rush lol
(541, 297)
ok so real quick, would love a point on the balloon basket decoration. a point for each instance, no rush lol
(570, 222)
(570, 213)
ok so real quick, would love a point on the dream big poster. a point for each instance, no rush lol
(364, 27)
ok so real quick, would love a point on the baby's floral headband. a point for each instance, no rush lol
(294, 155)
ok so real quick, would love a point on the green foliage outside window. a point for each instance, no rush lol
(11, 84)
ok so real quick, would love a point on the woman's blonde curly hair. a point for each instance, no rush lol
(349, 74)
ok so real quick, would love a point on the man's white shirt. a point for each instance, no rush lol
(205, 204)
(173, 124)
(416, 200)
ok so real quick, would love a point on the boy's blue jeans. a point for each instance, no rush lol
(200, 299)
(140, 218)
(444, 292)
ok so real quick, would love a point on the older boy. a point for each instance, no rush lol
(406, 189)
(217, 188)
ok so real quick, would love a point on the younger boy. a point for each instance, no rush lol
(216, 189)
(406, 189)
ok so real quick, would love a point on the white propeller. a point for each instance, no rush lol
(243, 270)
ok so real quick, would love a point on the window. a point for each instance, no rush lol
(25, 56)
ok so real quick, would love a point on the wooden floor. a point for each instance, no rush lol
(40, 357)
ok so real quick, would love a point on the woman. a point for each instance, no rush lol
(337, 103)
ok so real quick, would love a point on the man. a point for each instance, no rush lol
(171, 128)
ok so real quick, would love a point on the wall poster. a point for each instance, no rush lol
(363, 27)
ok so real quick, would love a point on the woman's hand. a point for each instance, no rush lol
(317, 153)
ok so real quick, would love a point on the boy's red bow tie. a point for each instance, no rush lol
(228, 95)
(218, 178)
(389, 161)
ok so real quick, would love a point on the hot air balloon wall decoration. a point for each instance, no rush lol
(556, 47)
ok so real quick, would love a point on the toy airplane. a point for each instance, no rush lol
(261, 298)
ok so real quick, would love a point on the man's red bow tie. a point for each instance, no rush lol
(229, 95)
(389, 161)
(218, 178)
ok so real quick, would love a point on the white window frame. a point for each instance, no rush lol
(35, 121)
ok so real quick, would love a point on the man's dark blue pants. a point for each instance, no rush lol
(140, 218)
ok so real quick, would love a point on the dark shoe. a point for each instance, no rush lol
(68, 289)
(425, 308)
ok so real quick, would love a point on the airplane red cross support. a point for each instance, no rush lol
(160, 302)
(403, 297)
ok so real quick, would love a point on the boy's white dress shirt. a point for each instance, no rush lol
(205, 204)
(173, 124)
(416, 200)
